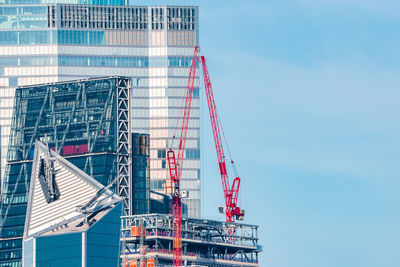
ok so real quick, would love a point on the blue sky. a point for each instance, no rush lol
(308, 92)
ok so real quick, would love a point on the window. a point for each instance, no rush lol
(196, 93)
(192, 153)
(161, 153)
(13, 81)
(163, 163)
(156, 184)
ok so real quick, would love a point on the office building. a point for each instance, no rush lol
(148, 239)
(140, 173)
(71, 220)
(85, 121)
(58, 40)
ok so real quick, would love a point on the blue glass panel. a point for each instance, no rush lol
(8, 61)
(50, 249)
(193, 153)
(8, 38)
(25, 37)
(196, 93)
(72, 37)
(13, 81)
(179, 61)
(98, 61)
(23, 17)
(8, 11)
(103, 240)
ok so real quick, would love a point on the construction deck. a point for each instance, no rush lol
(148, 239)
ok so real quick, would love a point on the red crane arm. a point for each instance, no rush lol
(230, 194)
(175, 168)
(215, 128)
(175, 164)
(186, 114)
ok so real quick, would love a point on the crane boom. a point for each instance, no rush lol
(175, 168)
(231, 194)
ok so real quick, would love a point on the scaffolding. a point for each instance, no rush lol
(148, 239)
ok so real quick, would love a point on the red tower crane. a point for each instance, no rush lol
(175, 169)
(231, 194)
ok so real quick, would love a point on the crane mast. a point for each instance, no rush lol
(175, 168)
(231, 194)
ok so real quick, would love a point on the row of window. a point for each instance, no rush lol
(103, 17)
(181, 18)
(22, 21)
(192, 153)
(126, 18)
(87, 2)
(25, 37)
(157, 184)
(52, 37)
(80, 37)
(161, 153)
(96, 61)
(23, 10)
(92, 17)
(76, 37)
(26, 61)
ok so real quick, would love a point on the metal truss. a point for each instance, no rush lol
(116, 99)
(205, 240)
(124, 158)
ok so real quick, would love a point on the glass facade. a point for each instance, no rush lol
(95, 61)
(102, 240)
(96, 246)
(51, 41)
(86, 2)
(141, 173)
(28, 17)
(76, 119)
(64, 249)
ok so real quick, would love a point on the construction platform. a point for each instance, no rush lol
(146, 240)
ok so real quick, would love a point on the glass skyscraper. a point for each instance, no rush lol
(44, 41)
(85, 121)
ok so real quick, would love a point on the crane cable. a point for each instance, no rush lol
(226, 143)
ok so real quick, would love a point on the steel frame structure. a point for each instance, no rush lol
(91, 111)
(124, 156)
(205, 242)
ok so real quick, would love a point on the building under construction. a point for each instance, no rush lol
(147, 240)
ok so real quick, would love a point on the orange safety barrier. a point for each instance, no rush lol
(133, 263)
(135, 231)
(150, 263)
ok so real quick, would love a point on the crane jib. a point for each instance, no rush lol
(231, 194)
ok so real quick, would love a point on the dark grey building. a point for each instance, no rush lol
(85, 121)
(140, 173)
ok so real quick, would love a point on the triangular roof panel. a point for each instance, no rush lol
(70, 188)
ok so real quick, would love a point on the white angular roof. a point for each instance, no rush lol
(74, 187)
